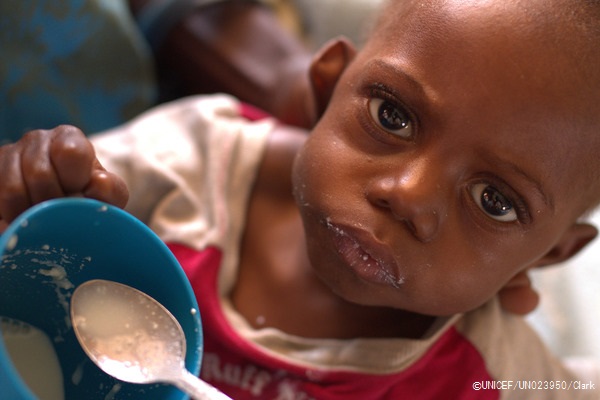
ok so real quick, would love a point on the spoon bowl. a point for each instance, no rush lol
(132, 337)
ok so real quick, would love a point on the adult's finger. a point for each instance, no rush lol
(518, 296)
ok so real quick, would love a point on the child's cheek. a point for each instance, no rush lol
(310, 172)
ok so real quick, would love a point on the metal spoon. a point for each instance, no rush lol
(132, 337)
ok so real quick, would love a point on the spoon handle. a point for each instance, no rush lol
(197, 388)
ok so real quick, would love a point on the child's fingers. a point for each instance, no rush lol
(38, 172)
(13, 191)
(72, 156)
(107, 187)
(49, 164)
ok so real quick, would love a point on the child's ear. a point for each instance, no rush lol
(572, 241)
(326, 68)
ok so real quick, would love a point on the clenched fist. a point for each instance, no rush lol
(47, 164)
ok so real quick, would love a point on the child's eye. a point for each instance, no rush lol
(495, 204)
(390, 117)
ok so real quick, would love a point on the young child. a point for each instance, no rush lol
(455, 151)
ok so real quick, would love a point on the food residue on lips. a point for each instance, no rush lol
(361, 259)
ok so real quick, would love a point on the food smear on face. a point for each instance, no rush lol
(369, 266)
(34, 357)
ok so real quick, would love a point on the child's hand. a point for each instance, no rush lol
(55, 163)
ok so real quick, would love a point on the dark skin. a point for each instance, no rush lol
(531, 237)
(239, 48)
(192, 61)
(414, 237)
(428, 242)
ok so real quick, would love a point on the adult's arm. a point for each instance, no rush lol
(236, 47)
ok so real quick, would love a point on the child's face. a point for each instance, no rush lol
(453, 154)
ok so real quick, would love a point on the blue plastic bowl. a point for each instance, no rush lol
(90, 240)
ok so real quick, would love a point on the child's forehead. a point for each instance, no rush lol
(540, 18)
(547, 50)
(539, 51)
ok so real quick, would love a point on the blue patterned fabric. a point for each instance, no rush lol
(81, 62)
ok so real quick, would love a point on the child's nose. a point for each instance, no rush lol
(413, 196)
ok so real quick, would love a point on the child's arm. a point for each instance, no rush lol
(46, 164)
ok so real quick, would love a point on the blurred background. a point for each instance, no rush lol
(90, 63)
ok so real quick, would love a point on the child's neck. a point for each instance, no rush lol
(276, 286)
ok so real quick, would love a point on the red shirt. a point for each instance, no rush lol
(245, 371)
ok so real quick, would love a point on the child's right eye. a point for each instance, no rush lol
(390, 117)
(492, 202)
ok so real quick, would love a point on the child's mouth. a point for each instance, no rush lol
(369, 260)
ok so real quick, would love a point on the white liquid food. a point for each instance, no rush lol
(126, 333)
(35, 359)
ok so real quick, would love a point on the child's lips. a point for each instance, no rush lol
(370, 259)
